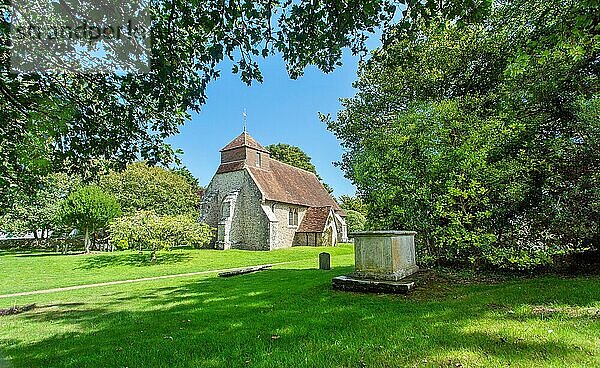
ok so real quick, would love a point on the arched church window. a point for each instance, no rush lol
(225, 210)
(293, 217)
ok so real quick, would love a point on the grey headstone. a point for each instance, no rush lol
(324, 261)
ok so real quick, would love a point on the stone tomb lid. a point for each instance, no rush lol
(381, 233)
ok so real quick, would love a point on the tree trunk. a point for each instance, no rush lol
(36, 238)
(87, 240)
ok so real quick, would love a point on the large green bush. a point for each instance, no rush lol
(147, 230)
(483, 136)
(149, 188)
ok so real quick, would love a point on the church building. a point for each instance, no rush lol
(258, 203)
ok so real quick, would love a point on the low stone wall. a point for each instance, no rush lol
(49, 244)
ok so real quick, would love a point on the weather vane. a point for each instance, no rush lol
(245, 116)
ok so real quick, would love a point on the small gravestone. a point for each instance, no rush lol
(324, 261)
(383, 259)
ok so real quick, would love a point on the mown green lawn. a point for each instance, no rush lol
(289, 317)
(27, 271)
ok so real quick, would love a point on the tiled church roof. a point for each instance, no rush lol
(244, 140)
(288, 184)
(315, 219)
(231, 166)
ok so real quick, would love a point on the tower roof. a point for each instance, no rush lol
(244, 140)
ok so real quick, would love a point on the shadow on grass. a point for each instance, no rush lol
(3, 361)
(291, 318)
(27, 252)
(136, 260)
(49, 254)
(24, 253)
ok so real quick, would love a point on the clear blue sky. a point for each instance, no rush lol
(280, 110)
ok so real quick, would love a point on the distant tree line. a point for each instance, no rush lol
(103, 210)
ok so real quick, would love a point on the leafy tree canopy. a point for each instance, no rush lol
(143, 187)
(147, 230)
(292, 155)
(191, 179)
(349, 203)
(78, 122)
(35, 212)
(89, 209)
(355, 221)
(483, 136)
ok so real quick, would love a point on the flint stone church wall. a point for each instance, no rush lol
(250, 225)
(285, 231)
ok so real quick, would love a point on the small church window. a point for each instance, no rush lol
(293, 217)
(258, 159)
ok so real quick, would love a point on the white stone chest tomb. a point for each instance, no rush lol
(384, 255)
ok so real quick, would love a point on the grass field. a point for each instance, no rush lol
(289, 317)
(26, 271)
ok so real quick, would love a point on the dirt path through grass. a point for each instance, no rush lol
(86, 286)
